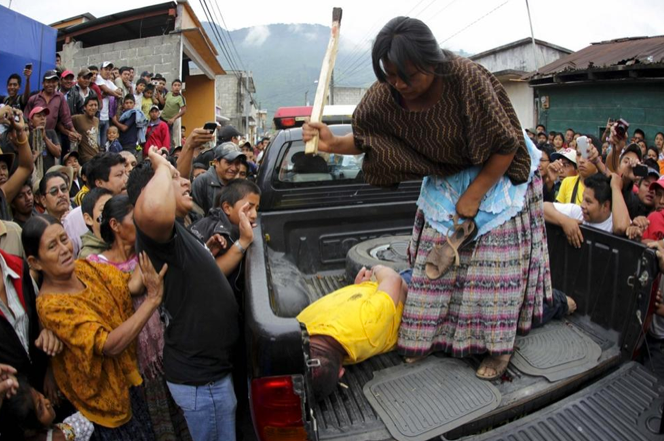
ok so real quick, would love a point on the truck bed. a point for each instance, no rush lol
(347, 414)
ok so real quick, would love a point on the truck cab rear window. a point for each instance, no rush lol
(296, 167)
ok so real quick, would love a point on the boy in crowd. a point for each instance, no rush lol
(174, 107)
(159, 95)
(113, 142)
(197, 170)
(128, 123)
(146, 101)
(138, 94)
(603, 207)
(87, 125)
(107, 170)
(71, 160)
(183, 135)
(93, 205)
(233, 219)
(157, 133)
(13, 99)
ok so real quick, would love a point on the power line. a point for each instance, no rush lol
(217, 36)
(471, 24)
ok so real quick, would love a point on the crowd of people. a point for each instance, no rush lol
(113, 227)
(105, 215)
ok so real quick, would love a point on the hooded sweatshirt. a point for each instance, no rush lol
(91, 245)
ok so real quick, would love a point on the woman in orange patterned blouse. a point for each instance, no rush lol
(88, 306)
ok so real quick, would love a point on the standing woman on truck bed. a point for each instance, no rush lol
(435, 115)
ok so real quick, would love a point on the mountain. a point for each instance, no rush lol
(286, 60)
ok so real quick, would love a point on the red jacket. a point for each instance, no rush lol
(158, 135)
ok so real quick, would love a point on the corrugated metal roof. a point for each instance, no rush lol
(620, 52)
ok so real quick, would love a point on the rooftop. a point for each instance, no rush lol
(634, 57)
(522, 42)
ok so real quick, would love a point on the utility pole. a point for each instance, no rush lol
(532, 37)
(306, 99)
(246, 106)
(332, 89)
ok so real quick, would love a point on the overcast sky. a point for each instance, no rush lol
(572, 24)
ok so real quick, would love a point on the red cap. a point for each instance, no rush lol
(37, 110)
(67, 73)
(657, 184)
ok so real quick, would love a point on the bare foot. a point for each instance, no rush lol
(571, 305)
(493, 367)
(411, 360)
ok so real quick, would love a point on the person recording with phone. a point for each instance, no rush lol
(13, 99)
(17, 132)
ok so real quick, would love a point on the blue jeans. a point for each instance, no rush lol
(209, 409)
(103, 128)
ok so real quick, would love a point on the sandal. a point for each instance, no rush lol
(495, 364)
(442, 256)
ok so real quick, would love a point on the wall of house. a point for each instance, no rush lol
(231, 100)
(154, 54)
(520, 58)
(586, 107)
(200, 101)
(347, 95)
(522, 98)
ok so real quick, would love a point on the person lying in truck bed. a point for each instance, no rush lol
(353, 324)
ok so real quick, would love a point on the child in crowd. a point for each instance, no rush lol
(34, 415)
(113, 143)
(138, 93)
(174, 107)
(146, 101)
(130, 123)
(92, 207)
(228, 228)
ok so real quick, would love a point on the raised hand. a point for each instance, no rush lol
(153, 281)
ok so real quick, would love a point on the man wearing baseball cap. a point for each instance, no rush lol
(655, 229)
(45, 143)
(82, 86)
(225, 167)
(56, 103)
(74, 100)
(107, 86)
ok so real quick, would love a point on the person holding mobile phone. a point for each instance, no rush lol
(13, 98)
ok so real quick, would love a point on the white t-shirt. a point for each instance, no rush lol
(574, 211)
(103, 112)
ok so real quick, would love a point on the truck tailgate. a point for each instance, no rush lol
(625, 405)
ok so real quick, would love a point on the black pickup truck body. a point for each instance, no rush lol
(305, 228)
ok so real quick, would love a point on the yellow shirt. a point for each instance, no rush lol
(567, 188)
(78, 199)
(97, 385)
(361, 318)
(145, 106)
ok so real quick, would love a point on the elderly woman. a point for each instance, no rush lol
(481, 269)
(117, 229)
(88, 306)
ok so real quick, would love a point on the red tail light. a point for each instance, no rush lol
(277, 410)
(287, 122)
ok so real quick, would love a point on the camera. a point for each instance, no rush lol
(621, 128)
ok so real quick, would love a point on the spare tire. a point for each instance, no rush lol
(391, 251)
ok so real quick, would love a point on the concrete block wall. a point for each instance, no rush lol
(348, 95)
(227, 97)
(155, 54)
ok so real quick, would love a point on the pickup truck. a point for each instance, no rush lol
(315, 209)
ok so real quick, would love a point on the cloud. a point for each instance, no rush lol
(257, 36)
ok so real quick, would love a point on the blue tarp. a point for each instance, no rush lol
(24, 41)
